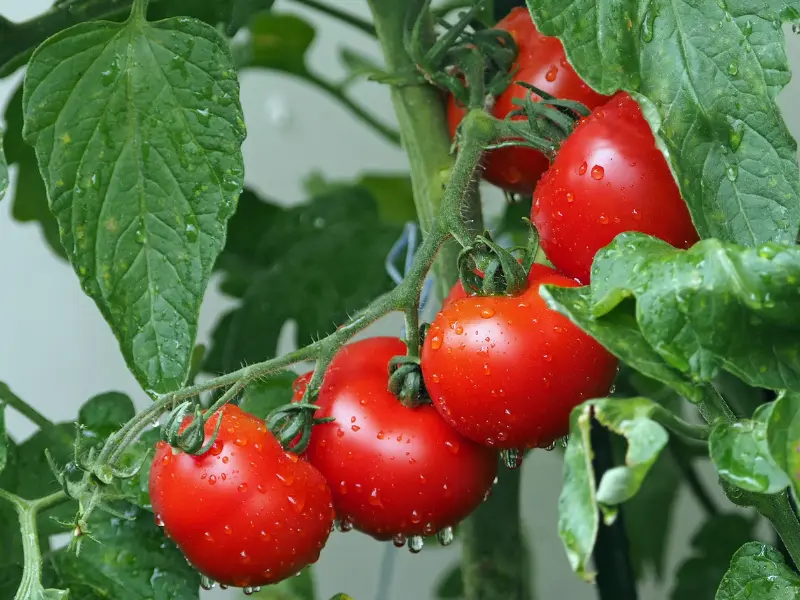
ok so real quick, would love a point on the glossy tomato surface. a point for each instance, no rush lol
(541, 62)
(506, 371)
(245, 513)
(609, 177)
(393, 471)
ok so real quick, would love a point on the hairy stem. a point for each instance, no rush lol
(494, 560)
(781, 514)
(25, 409)
(421, 116)
(343, 16)
(27, 511)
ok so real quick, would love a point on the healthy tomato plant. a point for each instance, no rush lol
(395, 472)
(245, 513)
(541, 62)
(506, 371)
(123, 142)
(608, 177)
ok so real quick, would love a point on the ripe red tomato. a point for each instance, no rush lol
(609, 177)
(245, 513)
(393, 471)
(457, 292)
(506, 371)
(541, 62)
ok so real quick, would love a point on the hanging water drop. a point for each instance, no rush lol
(415, 544)
(344, 525)
(648, 25)
(399, 540)
(207, 583)
(512, 458)
(445, 536)
(735, 134)
(550, 447)
(732, 172)
(733, 68)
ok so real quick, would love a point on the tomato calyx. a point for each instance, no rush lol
(487, 269)
(405, 380)
(291, 425)
(545, 125)
(468, 60)
(188, 437)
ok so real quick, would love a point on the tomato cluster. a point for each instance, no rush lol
(501, 372)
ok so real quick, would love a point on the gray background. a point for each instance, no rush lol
(56, 351)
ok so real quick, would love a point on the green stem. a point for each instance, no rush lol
(25, 409)
(494, 561)
(780, 513)
(27, 511)
(421, 116)
(671, 421)
(341, 15)
(388, 133)
(139, 10)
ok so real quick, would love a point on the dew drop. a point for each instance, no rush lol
(445, 536)
(242, 487)
(487, 313)
(598, 172)
(415, 544)
(636, 215)
(208, 537)
(735, 135)
(381, 435)
(344, 525)
(227, 530)
(212, 480)
(551, 73)
(582, 169)
(569, 197)
(733, 68)
(486, 369)
(340, 432)
(452, 446)
(648, 25)
(216, 448)
(375, 498)
(159, 520)
(436, 342)
(550, 447)
(415, 518)
(603, 220)
(286, 479)
(512, 458)
(732, 172)
(355, 427)
(343, 487)
(459, 330)
(207, 583)
(399, 540)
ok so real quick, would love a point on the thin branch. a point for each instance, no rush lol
(340, 15)
(17, 403)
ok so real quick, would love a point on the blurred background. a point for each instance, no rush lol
(56, 351)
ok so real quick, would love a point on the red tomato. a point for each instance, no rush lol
(506, 371)
(245, 513)
(394, 471)
(608, 178)
(541, 62)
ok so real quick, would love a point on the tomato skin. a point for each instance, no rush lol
(245, 513)
(609, 177)
(541, 62)
(506, 371)
(392, 470)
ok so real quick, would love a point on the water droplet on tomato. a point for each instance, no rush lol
(216, 448)
(429, 528)
(569, 197)
(380, 435)
(375, 498)
(487, 313)
(208, 537)
(159, 520)
(340, 432)
(486, 369)
(225, 460)
(598, 172)
(297, 502)
(603, 220)
(452, 446)
(551, 73)
(343, 487)
(445, 536)
(244, 558)
(286, 478)
(240, 441)
(415, 518)
(344, 525)
(166, 459)
(224, 476)
(446, 490)
(636, 216)
(558, 215)
(436, 342)
(227, 530)
(265, 537)
(422, 479)
(242, 487)
(489, 442)
(582, 169)
(212, 480)
(435, 378)
(355, 427)
(399, 540)
(502, 436)
(415, 544)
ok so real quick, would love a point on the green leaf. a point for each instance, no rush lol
(243, 10)
(277, 42)
(783, 436)
(131, 560)
(29, 195)
(294, 588)
(759, 572)
(313, 264)
(104, 414)
(619, 333)
(714, 307)
(20, 39)
(740, 454)
(707, 75)
(10, 577)
(3, 169)
(649, 517)
(3, 437)
(138, 130)
(265, 395)
(450, 585)
(712, 547)
(578, 518)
